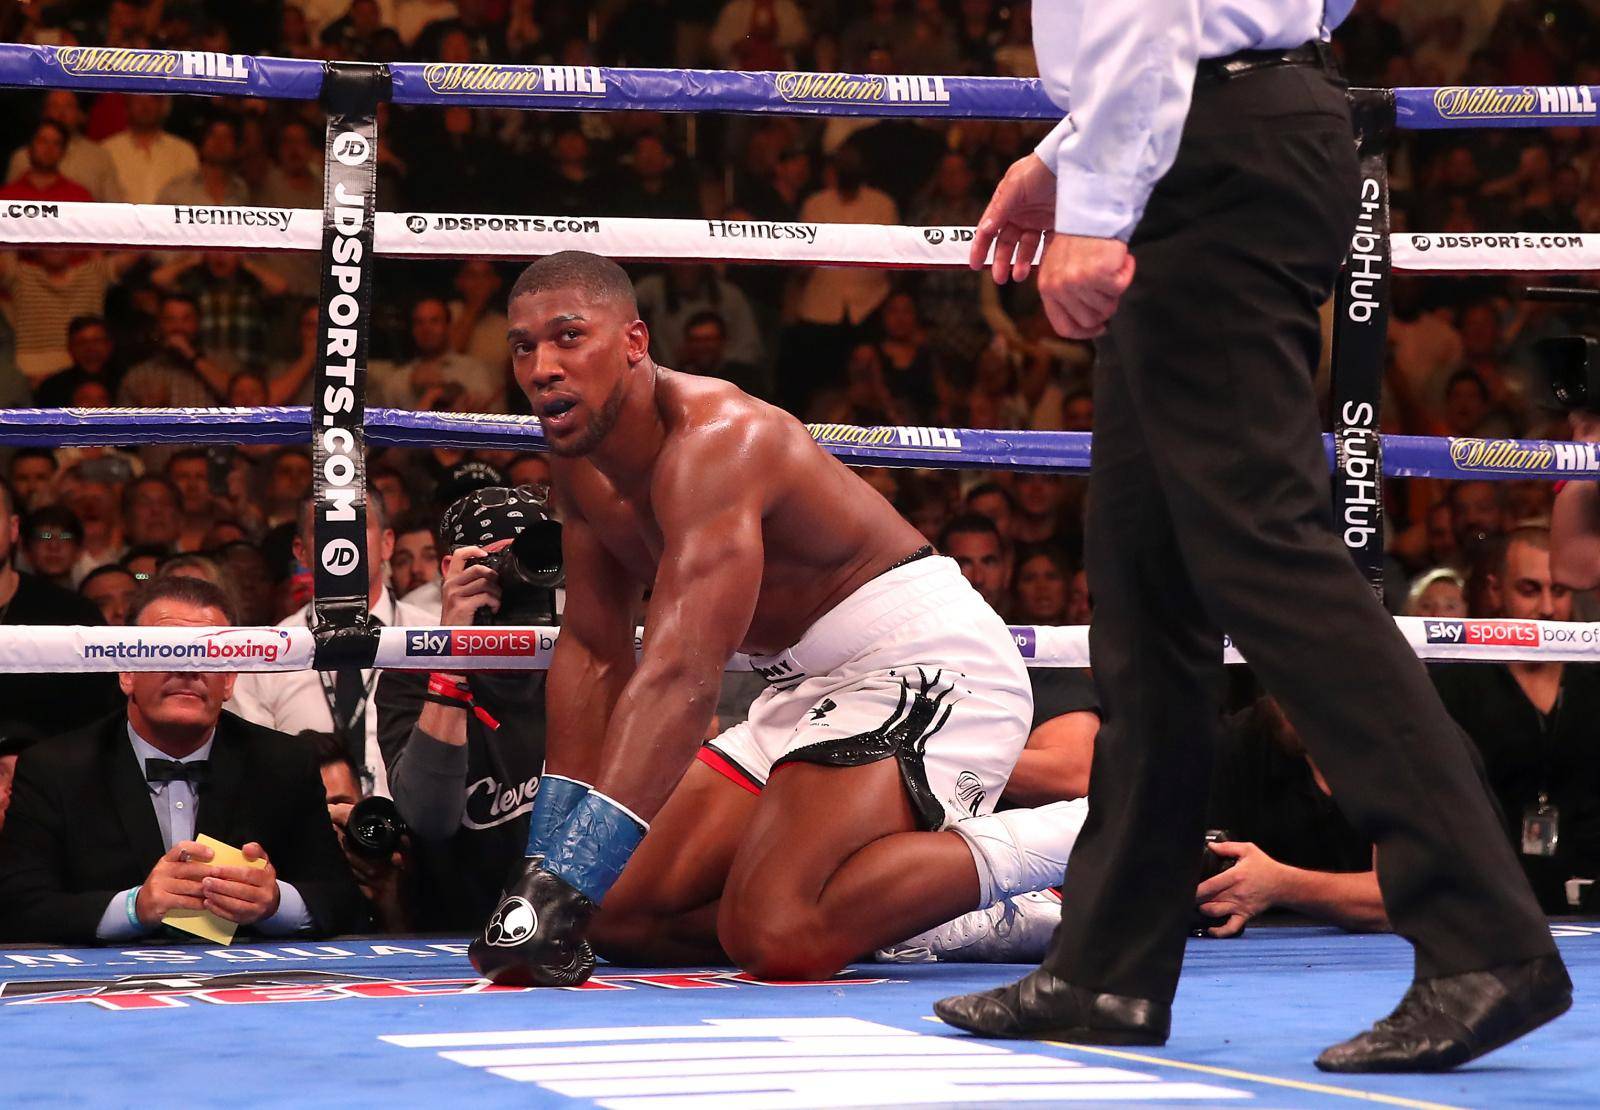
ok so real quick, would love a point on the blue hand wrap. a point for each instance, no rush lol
(552, 803)
(593, 846)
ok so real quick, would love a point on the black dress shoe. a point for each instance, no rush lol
(535, 938)
(1041, 1007)
(1444, 1022)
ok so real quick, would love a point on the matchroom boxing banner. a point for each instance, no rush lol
(1360, 345)
(338, 411)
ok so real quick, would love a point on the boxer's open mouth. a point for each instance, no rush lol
(555, 413)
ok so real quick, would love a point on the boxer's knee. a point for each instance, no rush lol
(782, 940)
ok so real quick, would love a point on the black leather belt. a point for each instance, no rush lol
(1315, 54)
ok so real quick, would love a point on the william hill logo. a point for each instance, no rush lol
(1527, 457)
(831, 435)
(177, 65)
(827, 434)
(515, 80)
(1490, 102)
(844, 88)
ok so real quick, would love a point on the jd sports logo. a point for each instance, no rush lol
(820, 711)
(340, 557)
(416, 224)
(351, 148)
(933, 235)
(513, 923)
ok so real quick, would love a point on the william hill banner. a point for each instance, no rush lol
(159, 71)
(696, 90)
(1498, 106)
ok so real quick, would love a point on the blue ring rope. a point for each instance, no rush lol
(954, 448)
(604, 88)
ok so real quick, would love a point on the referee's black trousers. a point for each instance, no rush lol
(1209, 511)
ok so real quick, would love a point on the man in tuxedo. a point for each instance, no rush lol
(100, 841)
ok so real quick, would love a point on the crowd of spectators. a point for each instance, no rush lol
(93, 328)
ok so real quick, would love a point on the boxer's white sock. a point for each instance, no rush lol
(1021, 850)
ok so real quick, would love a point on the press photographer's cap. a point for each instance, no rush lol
(493, 513)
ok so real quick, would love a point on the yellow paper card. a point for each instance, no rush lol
(203, 923)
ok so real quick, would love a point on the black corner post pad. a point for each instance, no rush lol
(1360, 341)
(344, 648)
(354, 88)
(341, 567)
(1373, 113)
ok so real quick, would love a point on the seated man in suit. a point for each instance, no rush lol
(100, 840)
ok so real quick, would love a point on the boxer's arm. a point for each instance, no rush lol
(707, 582)
(1575, 520)
(593, 657)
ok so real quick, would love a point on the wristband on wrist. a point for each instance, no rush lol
(453, 693)
(130, 904)
(450, 687)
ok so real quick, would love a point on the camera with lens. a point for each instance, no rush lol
(1569, 364)
(529, 570)
(374, 828)
(1211, 865)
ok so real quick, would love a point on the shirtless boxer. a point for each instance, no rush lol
(896, 704)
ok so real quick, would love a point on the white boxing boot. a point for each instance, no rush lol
(1018, 851)
(1016, 931)
(1019, 855)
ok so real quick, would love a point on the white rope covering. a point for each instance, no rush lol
(468, 235)
(1513, 251)
(74, 648)
(37, 649)
(1483, 641)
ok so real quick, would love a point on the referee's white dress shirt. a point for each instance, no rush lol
(1130, 66)
(294, 701)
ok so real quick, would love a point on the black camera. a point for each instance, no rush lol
(529, 570)
(1211, 865)
(1569, 364)
(374, 828)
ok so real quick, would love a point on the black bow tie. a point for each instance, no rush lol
(195, 772)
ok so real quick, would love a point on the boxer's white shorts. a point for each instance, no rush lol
(913, 666)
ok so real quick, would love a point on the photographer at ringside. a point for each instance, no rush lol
(465, 751)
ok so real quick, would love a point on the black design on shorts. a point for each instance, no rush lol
(820, 711)
(781, 675)
(917, 716)
(970, 791)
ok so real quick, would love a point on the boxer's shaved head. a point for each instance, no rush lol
(598, 278)
(576, 340)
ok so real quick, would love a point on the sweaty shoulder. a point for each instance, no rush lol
(710, 420)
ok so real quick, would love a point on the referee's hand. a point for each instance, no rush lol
(1021, 212)
(1081, 281)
